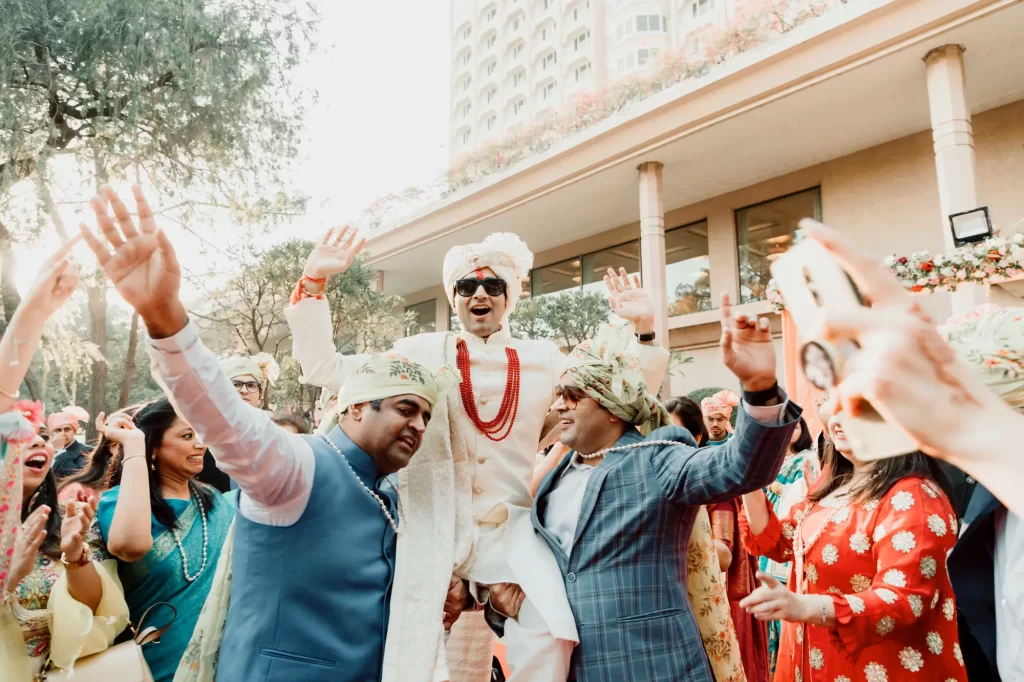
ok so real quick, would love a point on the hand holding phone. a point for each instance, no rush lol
(813, 282)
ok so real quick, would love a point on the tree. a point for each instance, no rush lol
(246, 315)
(568, 317)
(196, 96)
(693, 298)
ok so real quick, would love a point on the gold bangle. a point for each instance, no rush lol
(8, 395)
(132, 457)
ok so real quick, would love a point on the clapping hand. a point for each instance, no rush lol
(77, 520)
(26, 546)
(747, 348)
(628, 299)
(334, 253)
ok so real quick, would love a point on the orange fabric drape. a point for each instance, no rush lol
(800, 390)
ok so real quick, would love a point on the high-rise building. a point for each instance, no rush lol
(517, 61)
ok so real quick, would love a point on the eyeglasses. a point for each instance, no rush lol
(468, 287)
(246, 386)
(571, 396)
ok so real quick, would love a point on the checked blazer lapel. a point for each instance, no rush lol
(593, 489)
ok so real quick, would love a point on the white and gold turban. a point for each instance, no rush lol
(386, 375)
(990, 340)
(503, 252)
(261, 367)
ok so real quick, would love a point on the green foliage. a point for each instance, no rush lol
(568, 317)
(702, 393)
(247, 314)
(194, 92)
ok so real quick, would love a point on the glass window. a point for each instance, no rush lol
(641, 22)
(688, 269)
(595, 265)
(766, 231)
(554, 278)
(425, 318)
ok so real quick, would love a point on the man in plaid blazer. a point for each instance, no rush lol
(618, 511)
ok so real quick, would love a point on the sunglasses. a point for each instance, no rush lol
(246, 386)
(571, 396)
(468, 287)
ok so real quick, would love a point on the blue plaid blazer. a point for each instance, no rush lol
(626, 573)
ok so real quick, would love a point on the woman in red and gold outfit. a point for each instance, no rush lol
(868, 598)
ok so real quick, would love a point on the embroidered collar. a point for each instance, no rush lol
(498, 339)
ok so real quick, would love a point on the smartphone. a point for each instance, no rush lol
(811, 280)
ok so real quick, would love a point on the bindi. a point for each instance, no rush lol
(479, 273)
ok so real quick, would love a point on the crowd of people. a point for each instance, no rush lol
(470, 486)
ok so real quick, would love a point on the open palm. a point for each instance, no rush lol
(334, 253)
(137, 258)
(628, 299)
(747, 348)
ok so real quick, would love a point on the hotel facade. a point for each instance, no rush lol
(879, 117)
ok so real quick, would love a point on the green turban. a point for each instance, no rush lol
(606, 368)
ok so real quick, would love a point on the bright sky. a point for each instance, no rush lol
(380, 125)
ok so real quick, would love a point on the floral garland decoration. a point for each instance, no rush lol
(994, 260)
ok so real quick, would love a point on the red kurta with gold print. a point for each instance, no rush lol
(884, 563)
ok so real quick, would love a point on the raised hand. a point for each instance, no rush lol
(56, 281)
(120, 429)
(77, 519)
(139, 260)
(628, 300)
(747, 349)
(334, 253)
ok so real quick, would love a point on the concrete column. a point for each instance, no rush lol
(652, 245)
(723, 256)
(441, 312)
(378, 280)
(953, 138)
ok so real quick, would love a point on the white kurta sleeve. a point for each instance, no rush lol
(313, 344)
(273, 467)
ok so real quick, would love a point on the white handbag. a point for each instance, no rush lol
(123, 662)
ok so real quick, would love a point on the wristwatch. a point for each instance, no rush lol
(645, 338)
(84, 561)
(762, 398)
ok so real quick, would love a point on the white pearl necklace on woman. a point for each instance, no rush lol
(184, 557)
(383, 507)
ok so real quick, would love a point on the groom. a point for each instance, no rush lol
(318, 517)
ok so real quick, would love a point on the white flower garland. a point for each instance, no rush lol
(996, 259)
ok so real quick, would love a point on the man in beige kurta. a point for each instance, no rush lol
(491, 472)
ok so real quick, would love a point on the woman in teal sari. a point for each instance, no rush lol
(165, 528)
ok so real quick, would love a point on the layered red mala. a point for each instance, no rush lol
(500, 427)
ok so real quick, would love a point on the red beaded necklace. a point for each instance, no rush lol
(506, 417)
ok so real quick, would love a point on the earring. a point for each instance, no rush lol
(152, 466)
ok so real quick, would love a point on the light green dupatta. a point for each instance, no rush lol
(199, 662)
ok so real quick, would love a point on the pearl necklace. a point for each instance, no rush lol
(383, 507)
(631, 446)
(177, 539)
